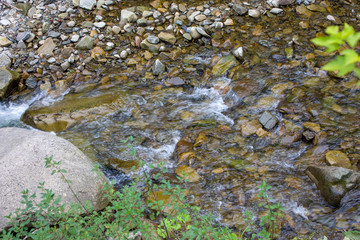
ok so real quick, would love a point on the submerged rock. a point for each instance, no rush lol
(338, 159)
(268, 120)
(333, 182)
(158, 67)
(224, 64)
(188, 173)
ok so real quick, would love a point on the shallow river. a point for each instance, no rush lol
(279, 74)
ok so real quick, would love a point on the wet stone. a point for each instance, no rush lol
(268, 120)
(338, 159)
(153, 39)
(167, 37)
(158, 67)
(250, 127)
(333, 182)
(176, 81)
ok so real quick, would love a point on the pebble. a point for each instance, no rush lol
(116, 29)
(5, 42)
(123, 54)
(22, 36)
(276, 10)
(158, 67)
(75, 38)
(87, 4)
(5, 61)
(254, 13)
(153, 39)
(229, 22)
(53, 34)
(65, 65)
(100, 24)
(202, 32)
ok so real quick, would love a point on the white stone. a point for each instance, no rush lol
(276, 10)
(87, 4)
(75, 38)
(123, 54)
(128, 15)
(100, 24)
(254, 13)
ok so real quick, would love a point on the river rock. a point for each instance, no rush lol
(86, 43)
(238, 52)
(5, 42)
(333, 182)
(87, 4)
(314, 156)
(338, 159)
(158, 67)
(268, 120)
(254, 13)
(47, 47)
(8, 82)
(71, 110)
(194, 33)
(128, 16)
(22, 166)
(202, 32)
(224, 64)
(187, 173)
(239, 9)
(5, 61)
(145, 45)
(167, 37)
(176, 81)
(153, 39)
(250, 127)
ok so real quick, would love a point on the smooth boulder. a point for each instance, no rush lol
(22, 166)
(333, 182)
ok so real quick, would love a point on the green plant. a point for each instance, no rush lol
(150, 206)
(269, 222)
(345, 41)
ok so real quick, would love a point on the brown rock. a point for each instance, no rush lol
(338, 159)
(167, 37)
(47, 48)
(188, 173)
(4, 42)
(250, 127)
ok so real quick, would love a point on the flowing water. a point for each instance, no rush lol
(207, 113)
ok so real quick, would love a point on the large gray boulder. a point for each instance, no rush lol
(333, 182)
(22, 166)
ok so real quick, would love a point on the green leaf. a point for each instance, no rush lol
(335, 65)
(53, 172)
(347, 31)
(357, 72)
(346, 69)
(332, 30)
(350, 56)
(353, 39)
